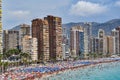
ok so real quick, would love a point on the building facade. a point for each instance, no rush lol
(11, 39)
(1, 45)
(88, 34)
(65, 44)
(24, 31)
(26, 41)
(77, 41)
(5, 40)
(40, 31)
(110, 43)
(118, 29)
(55, 37)
(86, 43)
(115, 34)
(34, 49)
(101, 36)
(95, 45)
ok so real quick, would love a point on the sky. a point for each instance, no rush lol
(17, 12)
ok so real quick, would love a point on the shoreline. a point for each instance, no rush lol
(50, 74)
(43, 72)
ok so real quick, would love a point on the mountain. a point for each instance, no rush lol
(107, 26)
(16, 28)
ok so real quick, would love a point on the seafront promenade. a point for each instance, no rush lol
(39, 71)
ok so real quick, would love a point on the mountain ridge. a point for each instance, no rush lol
(106, 26)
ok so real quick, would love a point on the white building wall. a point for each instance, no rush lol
(85, 42)
(34, 48)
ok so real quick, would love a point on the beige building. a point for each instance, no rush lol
(115, 34)
(76, 41)
(105, 45)
(101, 36)
(86, 43)
(110, 43)
(26, 44)
(118, 29)
(11, 39)
(24, 31)
(5, 40)
(1, 42)
(34, 49)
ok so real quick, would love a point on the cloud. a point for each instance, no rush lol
(117, 3)
(20, 13)
(84, 8)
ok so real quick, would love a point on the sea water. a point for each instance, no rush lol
(104, 71)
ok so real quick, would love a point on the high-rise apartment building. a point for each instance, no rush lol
(5, 40)
(88, 33)
(101, 36)
(101, 33)
(65, 44)
(110, 43)
(34, 49)
(11, 39)
(118, 29)
(77, 41)
(40, 31)
(115, 34)
(91, 44)
(55, 37)
(86, 43)
(95, 45)
(105, 45)
(1, 45)
(26, 44)
(24, 31)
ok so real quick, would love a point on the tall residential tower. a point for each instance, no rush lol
(1, 27)
(10, 39)
(55, 37)
(77, 41)
(40, 31)
(115, 34)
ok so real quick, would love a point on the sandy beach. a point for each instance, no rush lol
(44, 76)
(41, 72)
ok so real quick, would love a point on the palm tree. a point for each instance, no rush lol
(0, 67)
(94, 55)
(25, 57)
(11, 52)
(1, 57)
(88, 55)
(1, 62)
(100, 55)
(6, 64)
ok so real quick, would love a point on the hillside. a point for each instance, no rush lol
(107, 26)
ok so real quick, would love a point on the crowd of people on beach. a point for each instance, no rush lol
(85, 73)
(39, 71)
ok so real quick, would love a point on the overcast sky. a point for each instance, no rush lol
(16, 12)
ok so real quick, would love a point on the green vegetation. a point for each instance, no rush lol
(5, 63)
(97, 55)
